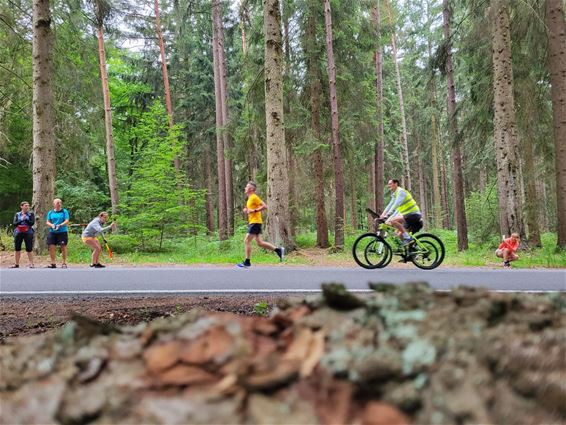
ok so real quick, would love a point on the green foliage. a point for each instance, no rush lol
(159, 200)
(261, 308)
(482, 211)
(82, 198)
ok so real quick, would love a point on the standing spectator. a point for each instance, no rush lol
(507, 249)
(23, 232)
(90, 233)
(57, 220)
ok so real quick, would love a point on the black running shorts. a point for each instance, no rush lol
(254, 229)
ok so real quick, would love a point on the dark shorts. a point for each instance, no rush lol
(254, 229)
(413, 222)
(57, 238)
(23, 237)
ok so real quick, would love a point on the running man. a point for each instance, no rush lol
(90, 233)
(57, 220)
(254, 207)
(402, 212)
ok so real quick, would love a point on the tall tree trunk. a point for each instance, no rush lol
(221, 167)
(338, 162)
(436, 186)
(243, 13)
(289, 96)
(532, 202)
(110, 161)
(422, 186)
(379, 162)
(168, 104)
(353, 199)
(505, 133)
(315, 87)
(404, 135)
(557, 67)
(217, 17)
(457, 175)
(444, 192)
(209, 192)
(277, 178)
(435, 147)
(43, 155)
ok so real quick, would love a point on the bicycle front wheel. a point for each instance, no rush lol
(371, 251)
(428, 253)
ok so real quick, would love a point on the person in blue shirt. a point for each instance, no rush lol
(23, 232)
(57, 220)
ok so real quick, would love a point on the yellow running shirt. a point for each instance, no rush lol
(253, 203)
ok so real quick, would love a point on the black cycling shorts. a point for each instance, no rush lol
(23, 237)
(413, 222)
(57, 238)
(254, 229)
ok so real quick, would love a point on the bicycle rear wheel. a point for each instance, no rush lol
(371, 251)
(428, 253)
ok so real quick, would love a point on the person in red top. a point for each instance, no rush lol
(507, 249)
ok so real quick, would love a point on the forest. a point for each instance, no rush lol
(161, 111)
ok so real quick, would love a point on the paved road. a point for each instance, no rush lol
(120, 281)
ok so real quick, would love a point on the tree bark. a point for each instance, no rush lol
(338, 162)
(422, 186)
(315, 88)
(217, 17)
(557, 68)
(379, 163)
(209, 192)
(446, 223)
(505, 133)
(110, 160)
(277, 178)
(404, 135)
(220, 166)
(243, 14)
(43, 155)
(456, 154)
(168, 104)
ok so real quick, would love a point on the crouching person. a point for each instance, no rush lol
(95, 228)
(508, 248)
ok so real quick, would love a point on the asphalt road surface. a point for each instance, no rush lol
(259, 279)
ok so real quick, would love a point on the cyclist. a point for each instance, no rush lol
(253, 208)
(402, 212)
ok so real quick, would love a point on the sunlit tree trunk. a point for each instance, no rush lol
(379, 165)
(243, 13)
(456, 154)
(338, 162)
(168, 104)
(505, 132)
(220, 166)
(110, 160)
(557, 67)
(277, 178)
(404, 134)
(43, 155)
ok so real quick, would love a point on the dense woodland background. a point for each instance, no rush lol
(161, 112)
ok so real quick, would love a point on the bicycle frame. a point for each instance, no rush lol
(388, 232)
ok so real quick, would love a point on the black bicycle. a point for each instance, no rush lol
(375, 250)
